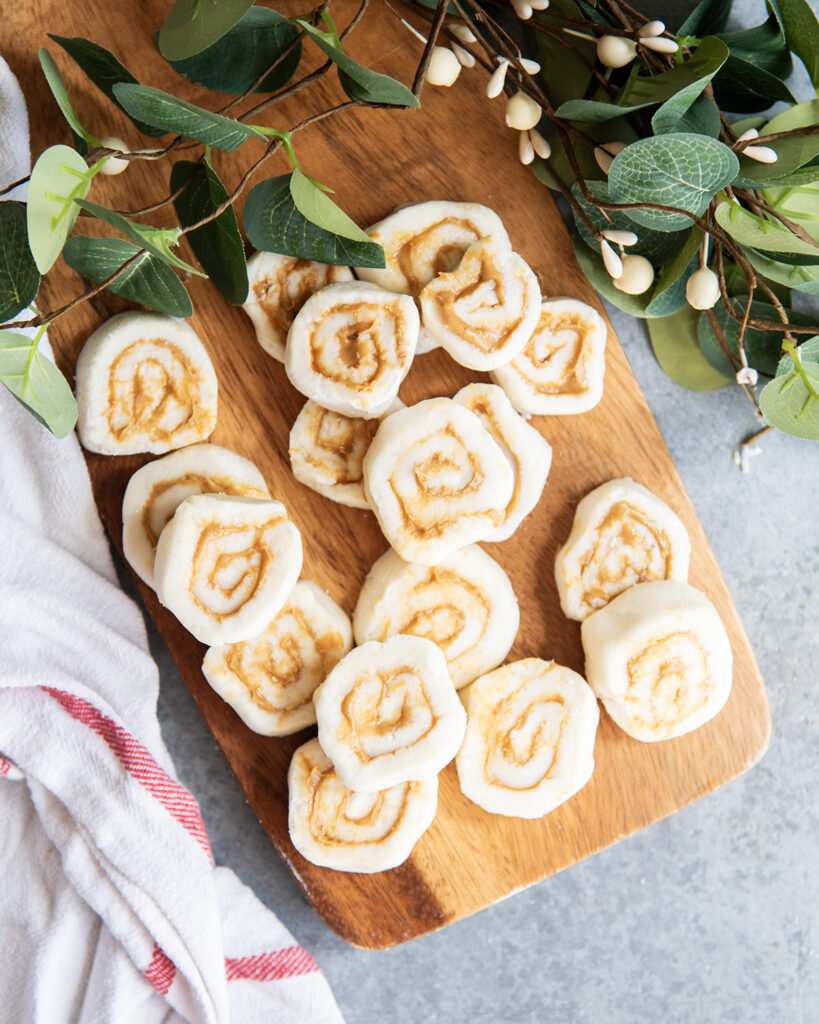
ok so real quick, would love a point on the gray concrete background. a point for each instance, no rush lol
(708, 916)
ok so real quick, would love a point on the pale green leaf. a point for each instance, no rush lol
(791, 402)
(316, 206)
(675, 345)
(767, 235)
(59, 177)
(60, 94)
(37, 383)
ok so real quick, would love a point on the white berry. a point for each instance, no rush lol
(616, 51)
(444, 67)
(522, 112)
(113, 165)
(637, 276)
(702, 289)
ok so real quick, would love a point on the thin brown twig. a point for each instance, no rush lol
(432, 40)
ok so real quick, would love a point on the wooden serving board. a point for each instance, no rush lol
(456, 148)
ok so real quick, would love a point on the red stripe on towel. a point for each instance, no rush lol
(138, 762)
(283, 963)
(161, 971)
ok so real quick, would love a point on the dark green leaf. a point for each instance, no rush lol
(60, 177)
(802, 33)
(234, 62)
(744, 88)
(218, 245)
(19, 278)
(357, 81)
(37, 383)
(82, 138)
(762, 348)
(675, 345)
(763, 45)
(791, 401)
(564, 75)
(656, 246)
(701, 118)
(273, 224)
(171, 114)
(680, 170)
(193, 25)
(148, 281)
(157, 241)
(104, 70)
(707, 17)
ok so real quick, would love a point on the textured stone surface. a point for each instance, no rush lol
(709, 916)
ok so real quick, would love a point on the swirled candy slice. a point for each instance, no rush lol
(327, 452)
(155, 492)
(659, 658)
(485, 310)
(436, 480)
(465, 605)
(529, 741)
(279, 287)
(144, 383)
(561, 367)
(226, 565)
(337, 827)
(269, 680)
(622, 534)
(528, 451)
(350, 346)
(427, 239)
(388, 713)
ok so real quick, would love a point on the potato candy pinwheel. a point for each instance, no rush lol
(529, 742)
(659, 658)
(337, 827)
(279, 287)
(527, 450)
(144, 383)
(350, 346)
(225, 565)
(485, 310)
(436, 480)
(269, 680)
(561, 367)
(622, 534)
(156, 490)
(465, 605)
(327, 452)
(427, 239)
(388, 713)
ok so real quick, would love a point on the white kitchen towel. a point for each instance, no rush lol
(111, 910)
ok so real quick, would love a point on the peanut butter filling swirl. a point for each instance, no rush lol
(154, 393)
(530, 738)
(158, 510)
(435, 249)
(270, 679)
(485, 310)
(335, 826)
(669, 681)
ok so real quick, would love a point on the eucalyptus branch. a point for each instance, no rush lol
(432, 40)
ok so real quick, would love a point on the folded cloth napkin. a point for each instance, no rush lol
(111, 910)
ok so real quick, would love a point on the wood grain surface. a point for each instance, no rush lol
(456, 148)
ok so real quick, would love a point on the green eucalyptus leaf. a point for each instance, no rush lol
(799, 278)
(316, 206)
(671, 281)
(677, 350)
(680, 170)
(273, 224)
(104, 70)
(234, 62)
(708, 16)
(59, 177)
(357, 81)
(157, 241)
(790, 402)
(162, 110)
(802, 33)
(806, 350)
(701, 118)
(218, 245)
(193, 25)
(744, 88)
(766, 235)
(19, 277)
(792, 153)
(149, 281)
(82, 138)
(656, 246)
(592, 266)
(37, 383)
(762, 348)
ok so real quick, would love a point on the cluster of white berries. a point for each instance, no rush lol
(629, 273)
(618, 51)
(764, 154)
(526, 8)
